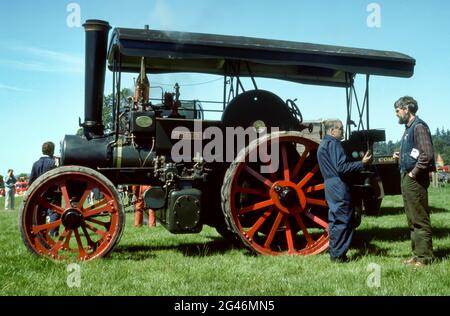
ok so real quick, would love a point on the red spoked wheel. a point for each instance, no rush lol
(71, 213)
(284, 210)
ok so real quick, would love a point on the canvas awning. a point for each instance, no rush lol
(170, 51)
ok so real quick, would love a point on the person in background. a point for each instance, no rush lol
(10, 186)
(334, 165)
(41, 166)
(416, 161)
(45, 163)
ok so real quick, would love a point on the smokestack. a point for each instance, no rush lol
(96, 46)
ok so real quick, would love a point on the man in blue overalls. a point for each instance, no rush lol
(334, 164)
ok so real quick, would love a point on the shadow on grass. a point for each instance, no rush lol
(362, 240)
(216, 246)
(132, 252)
(401, 210)
(395, 233)
(364, 246)
(442, 253)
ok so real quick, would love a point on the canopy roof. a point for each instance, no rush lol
(169, 51)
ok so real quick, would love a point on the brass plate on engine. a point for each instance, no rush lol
(144, 121)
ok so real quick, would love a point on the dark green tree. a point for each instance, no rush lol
(386, 149)
(107, 110)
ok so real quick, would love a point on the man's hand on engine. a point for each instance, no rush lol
(367, 159)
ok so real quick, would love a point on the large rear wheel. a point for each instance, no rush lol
(284, 210)
(71, 213)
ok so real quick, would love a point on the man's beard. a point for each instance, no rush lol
(403, 120)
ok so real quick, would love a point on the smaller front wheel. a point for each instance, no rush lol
(71, 213)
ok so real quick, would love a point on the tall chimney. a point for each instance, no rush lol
(95, 60)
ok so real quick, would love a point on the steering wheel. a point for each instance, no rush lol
(295, 111)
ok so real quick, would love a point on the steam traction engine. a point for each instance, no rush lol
(268, 197)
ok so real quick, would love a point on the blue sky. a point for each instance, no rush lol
(42, 58)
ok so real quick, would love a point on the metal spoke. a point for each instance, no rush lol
(107, 209)
(239, 189)
(299, 221)
(65, 195)
(308, 176)
(46, 204)
(316, 202)
(256, 206)
(289, 238)
(37, 228)
(258, 223)
(66, 245)
(316, 219)
(86, 192)
(300, 162)
(98, 204)
(81, 251)
(315, 188)
(63, 239)
(258, 176)
(88, 238)
(95, 221)
(273, 230)
(100, 233)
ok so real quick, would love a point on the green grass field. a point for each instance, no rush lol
(155, 262)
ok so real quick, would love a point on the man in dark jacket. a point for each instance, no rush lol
(416, 161)
(334, 165)
(44, 164)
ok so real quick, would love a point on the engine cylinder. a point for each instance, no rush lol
(77, 150)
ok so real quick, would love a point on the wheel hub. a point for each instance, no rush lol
(288, 196)
(72, 218)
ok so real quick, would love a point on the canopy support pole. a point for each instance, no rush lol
(350, 93)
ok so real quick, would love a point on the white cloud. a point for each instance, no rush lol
(53, 55)
(12, 88)
(44, 60)
(41, 66)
